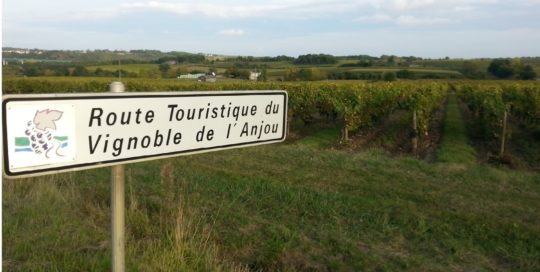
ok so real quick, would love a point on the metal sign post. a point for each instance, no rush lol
(118, 240)
(117, 218)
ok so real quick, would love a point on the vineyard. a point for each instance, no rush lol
(359, 106)
(373, 176)
(498, 109)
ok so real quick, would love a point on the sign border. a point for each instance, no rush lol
(130, 95)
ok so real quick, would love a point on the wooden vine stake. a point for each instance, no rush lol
(290, 116)
(414, 138)
(344, 131)
(503, 136)
(344, 134)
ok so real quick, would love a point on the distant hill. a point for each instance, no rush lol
(93, 56)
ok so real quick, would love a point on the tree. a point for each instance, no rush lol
(313, 59)
(164, 68)
(516, 64)
(527, 73)
(264, 74)
(472, 69)
(404, 73)
(391, 60)
(501, 68)
(291, 74)
(100, 72)
(234, 72)
(62, 71)
(80, 71)
(504, 68)
(389, 76)
(32, 71)
(311, 74)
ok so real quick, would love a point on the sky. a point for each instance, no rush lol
(423, 28)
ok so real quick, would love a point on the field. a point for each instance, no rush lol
(344, 193)
(276, 70)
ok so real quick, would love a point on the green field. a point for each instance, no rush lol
(280, 207)
(278, 69)
(134, 68)
(418, 70)
(308, 204)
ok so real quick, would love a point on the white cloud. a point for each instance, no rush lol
(210, 10)
(232, 32)
(404, 20)
(375, 18)
(464, 8)
(290, 9)
(412, 21)
(410, 4)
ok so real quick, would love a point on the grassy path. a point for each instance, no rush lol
(454, 147)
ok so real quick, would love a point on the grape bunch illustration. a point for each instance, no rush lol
(40, 130)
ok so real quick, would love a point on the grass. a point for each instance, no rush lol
(278, 69)
(418, 70)
(61, 223)
(322, 138)
(137, 68)
(134, 68)
(291, 206)
(524, 145)
(454, 147)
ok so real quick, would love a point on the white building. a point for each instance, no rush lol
(254, 75)
(191, 76)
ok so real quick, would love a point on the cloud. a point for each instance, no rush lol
(375, 18)
(410, 4)
(281, 9)
(464, 8)
(403, 20)
(209, 10)
(289, 9)
(232, 32)
(413, 21)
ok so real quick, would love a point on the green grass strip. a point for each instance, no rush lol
(61, 138)
(322, 138)
(22, 141)
(454, 146)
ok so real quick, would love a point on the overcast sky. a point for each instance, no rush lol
(425, 28)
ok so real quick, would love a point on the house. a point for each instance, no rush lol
(254, 75)
(191, 76)
(208, 78)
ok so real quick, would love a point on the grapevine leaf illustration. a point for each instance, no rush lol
(46, 119)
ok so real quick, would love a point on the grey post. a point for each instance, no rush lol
(117, 205)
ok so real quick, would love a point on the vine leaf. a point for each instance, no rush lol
(46, 119)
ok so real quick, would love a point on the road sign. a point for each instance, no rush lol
(62, 132)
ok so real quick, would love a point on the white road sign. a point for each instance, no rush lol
(51, 133)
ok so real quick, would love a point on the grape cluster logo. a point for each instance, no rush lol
(40, 135)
